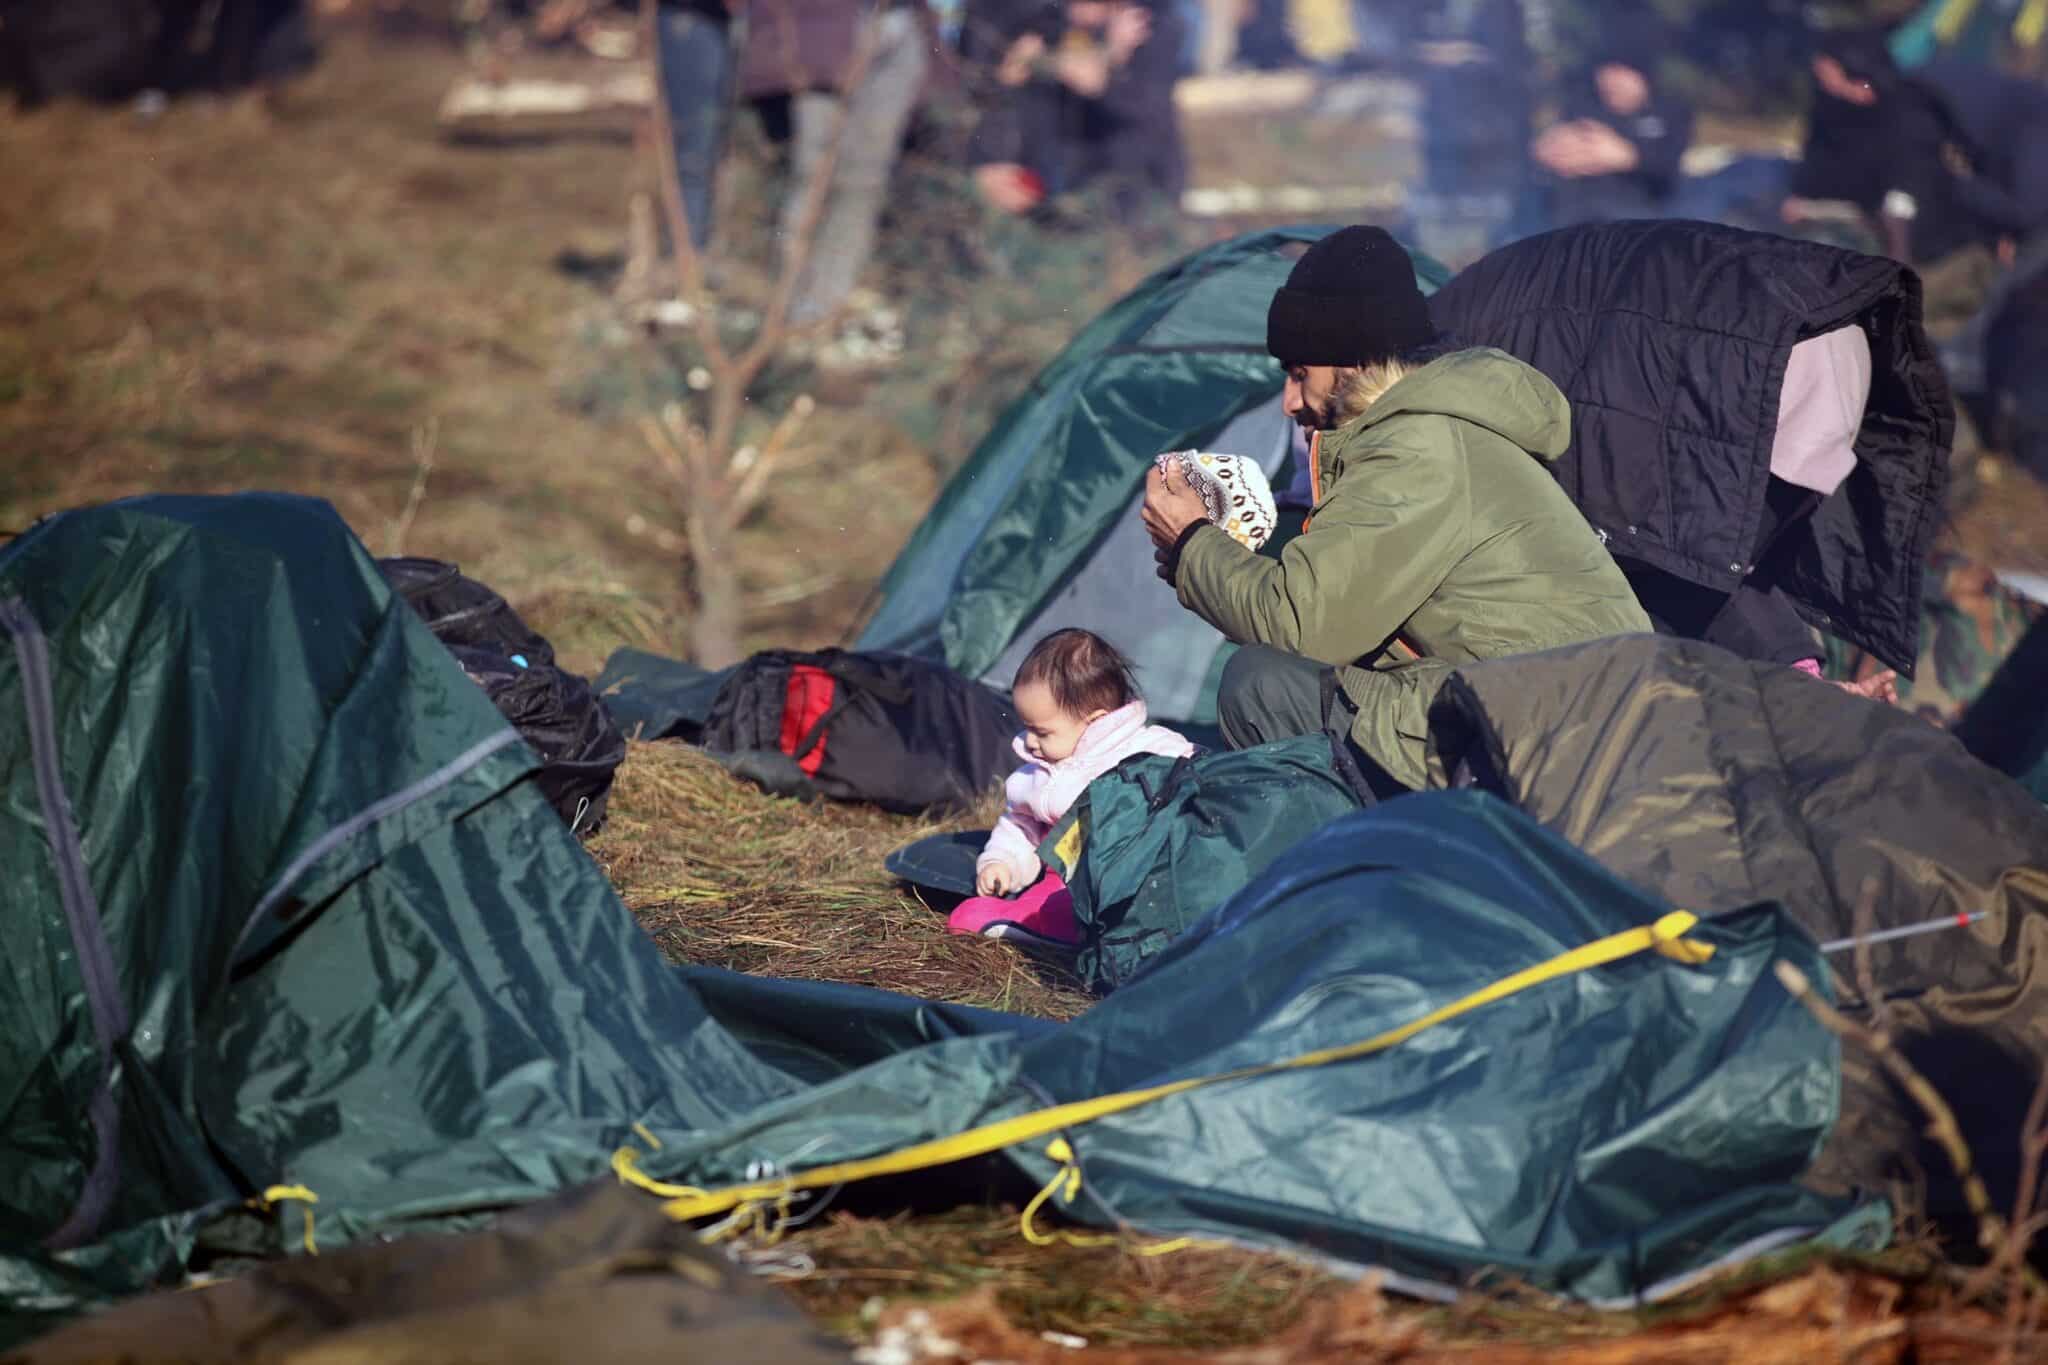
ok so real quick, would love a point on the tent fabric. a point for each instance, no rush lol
(1038, 528)
(358, 953)
(1713, 781)
(1671, 339)
(1543, 1129)
(321, 871)
(653, 697)
(1161, 842)
(1702, 779)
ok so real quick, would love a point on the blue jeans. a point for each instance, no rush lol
(696, 62)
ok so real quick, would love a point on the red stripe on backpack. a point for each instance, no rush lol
(805, 703)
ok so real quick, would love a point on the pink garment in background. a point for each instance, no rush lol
(1820, 409)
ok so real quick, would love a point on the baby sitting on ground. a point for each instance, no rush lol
(1082, 716)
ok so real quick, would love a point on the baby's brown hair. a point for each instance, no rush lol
(1083, 671)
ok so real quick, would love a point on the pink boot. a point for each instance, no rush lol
(1042, 916)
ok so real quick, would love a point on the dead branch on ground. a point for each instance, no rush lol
(1941, 1120)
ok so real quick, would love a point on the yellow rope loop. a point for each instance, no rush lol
(1066, 1183)
(277, 1194)
(1668, 937)
(626, 1166)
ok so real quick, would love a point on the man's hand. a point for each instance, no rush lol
(1085, 71)
(1585, 147)
(1015, 68)
(1171, 506)
(1128, 30)
(1009, 186)
(994, 879)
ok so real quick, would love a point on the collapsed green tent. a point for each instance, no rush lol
(286, 928)
(1039, 529)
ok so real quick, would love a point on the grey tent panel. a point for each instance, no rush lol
(1118, 595)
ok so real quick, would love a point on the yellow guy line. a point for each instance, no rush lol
(277, 1194)
(1666, 937)
(2031, 23)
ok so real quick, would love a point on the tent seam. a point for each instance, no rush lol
(371, 814)
(82, 914)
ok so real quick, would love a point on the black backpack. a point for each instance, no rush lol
(554, 711)
(905, 734)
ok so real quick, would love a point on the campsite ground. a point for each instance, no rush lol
(323, 295)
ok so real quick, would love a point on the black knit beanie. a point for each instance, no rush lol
(1351, 300)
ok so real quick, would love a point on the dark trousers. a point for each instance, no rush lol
(1267, 694)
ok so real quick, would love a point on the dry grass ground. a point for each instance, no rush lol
(296, 296)
(724, 874)
(315, 296)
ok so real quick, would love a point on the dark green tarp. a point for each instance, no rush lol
(1163, 841)
(278, 906)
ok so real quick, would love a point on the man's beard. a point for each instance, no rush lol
(1327, 415)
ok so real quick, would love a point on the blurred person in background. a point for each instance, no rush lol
(846, 119)
(1077, 94)
(1945, 158)
(694, 58)
(1477, 70)
(1897, 147)
(112, 49)
(1615, 150)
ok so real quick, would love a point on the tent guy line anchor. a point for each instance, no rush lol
(1932, 926)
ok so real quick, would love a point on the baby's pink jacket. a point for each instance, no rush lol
(1037, 794)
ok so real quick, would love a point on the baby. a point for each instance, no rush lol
(1082, 716)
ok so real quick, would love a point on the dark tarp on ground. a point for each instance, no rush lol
(652, 697)
(1670, 339)
(1163, 841)
(336, 939)
(1540, 1128)
(1706, 779)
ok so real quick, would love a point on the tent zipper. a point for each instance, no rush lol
(82, 914)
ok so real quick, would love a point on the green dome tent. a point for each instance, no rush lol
(1039, 528)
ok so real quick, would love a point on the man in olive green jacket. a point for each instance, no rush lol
(1437, 537)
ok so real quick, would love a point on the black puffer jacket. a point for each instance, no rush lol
(1671, 339)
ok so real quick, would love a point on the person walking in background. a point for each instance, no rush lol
(852, 74)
